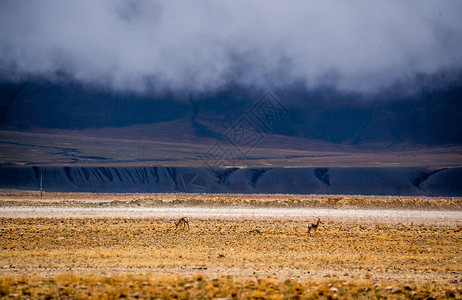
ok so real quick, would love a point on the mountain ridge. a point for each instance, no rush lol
(430, 118)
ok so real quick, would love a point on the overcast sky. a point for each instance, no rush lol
(204, 45)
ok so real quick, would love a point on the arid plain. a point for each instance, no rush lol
(82, 245)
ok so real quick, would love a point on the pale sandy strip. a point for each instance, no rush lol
(360, 215)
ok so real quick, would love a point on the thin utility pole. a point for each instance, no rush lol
(41, 184)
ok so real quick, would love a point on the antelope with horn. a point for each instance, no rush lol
(314, 226)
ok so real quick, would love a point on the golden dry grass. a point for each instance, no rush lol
(148, 258)
(198, 287)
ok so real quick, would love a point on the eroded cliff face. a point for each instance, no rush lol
(366, 181)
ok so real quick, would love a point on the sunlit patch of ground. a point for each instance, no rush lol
(220, 287)
(61, 257)
(244, 256)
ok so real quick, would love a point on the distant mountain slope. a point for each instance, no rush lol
(429, 117)
(364, 181)
(71, 106)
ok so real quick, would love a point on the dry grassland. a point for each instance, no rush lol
(243, 258)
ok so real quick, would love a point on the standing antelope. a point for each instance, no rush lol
(314, 226)
(181, 223)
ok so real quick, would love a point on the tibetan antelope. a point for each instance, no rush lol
(314, 226)
(181, 223)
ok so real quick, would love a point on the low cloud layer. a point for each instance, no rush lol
(204, 45)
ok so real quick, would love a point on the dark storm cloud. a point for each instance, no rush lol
(202, 45)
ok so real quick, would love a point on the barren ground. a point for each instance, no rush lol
(127, 246)
(52, 147)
